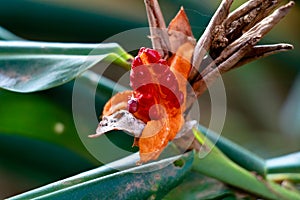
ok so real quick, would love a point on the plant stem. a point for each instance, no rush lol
(291, 177)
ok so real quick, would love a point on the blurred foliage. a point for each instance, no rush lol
(88, 21)
(258, 94)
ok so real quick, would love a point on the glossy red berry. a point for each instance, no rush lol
(153, 56)
(163, 62)
(132, 105)
(154, 83)
(136, 62)
(142, 49)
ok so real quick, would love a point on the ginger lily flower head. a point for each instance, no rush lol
(166, 80)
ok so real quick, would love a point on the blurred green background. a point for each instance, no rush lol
(263, 108)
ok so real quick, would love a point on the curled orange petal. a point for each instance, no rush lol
(181, 61)
(117, 102)
(181, 66)
(181, 23)
(180, 31)
(157, 134)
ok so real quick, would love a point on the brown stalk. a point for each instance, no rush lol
(205, 41)
(261, 51)
(247, 15)
(158, 31)
(235, 52)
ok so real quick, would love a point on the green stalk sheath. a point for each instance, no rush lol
(215, 164)
(292, 177)
(118, 60)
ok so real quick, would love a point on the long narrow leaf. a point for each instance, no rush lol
(284, 164)
(57, 48)
(122, 164)
(236, 153)
(6, 35)
(155, 181)
(34, 66)
(196, 186)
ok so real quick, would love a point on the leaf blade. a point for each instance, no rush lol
(289, 163)
(35, 66)
(6, 35)
(138, 185)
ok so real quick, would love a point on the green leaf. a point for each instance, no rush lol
(34, 66)
(216, 165)
(151, 180)
(122, 164)
(236, 153)
(196, 186)
(6, 35)
(284, 164)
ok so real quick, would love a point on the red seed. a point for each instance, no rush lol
(142, 49)
(153, 56)
(132, 105)
(136, 62)
(153, 83)
(163, 62)
(139, 76)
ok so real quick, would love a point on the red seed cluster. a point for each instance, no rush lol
(153, 83)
